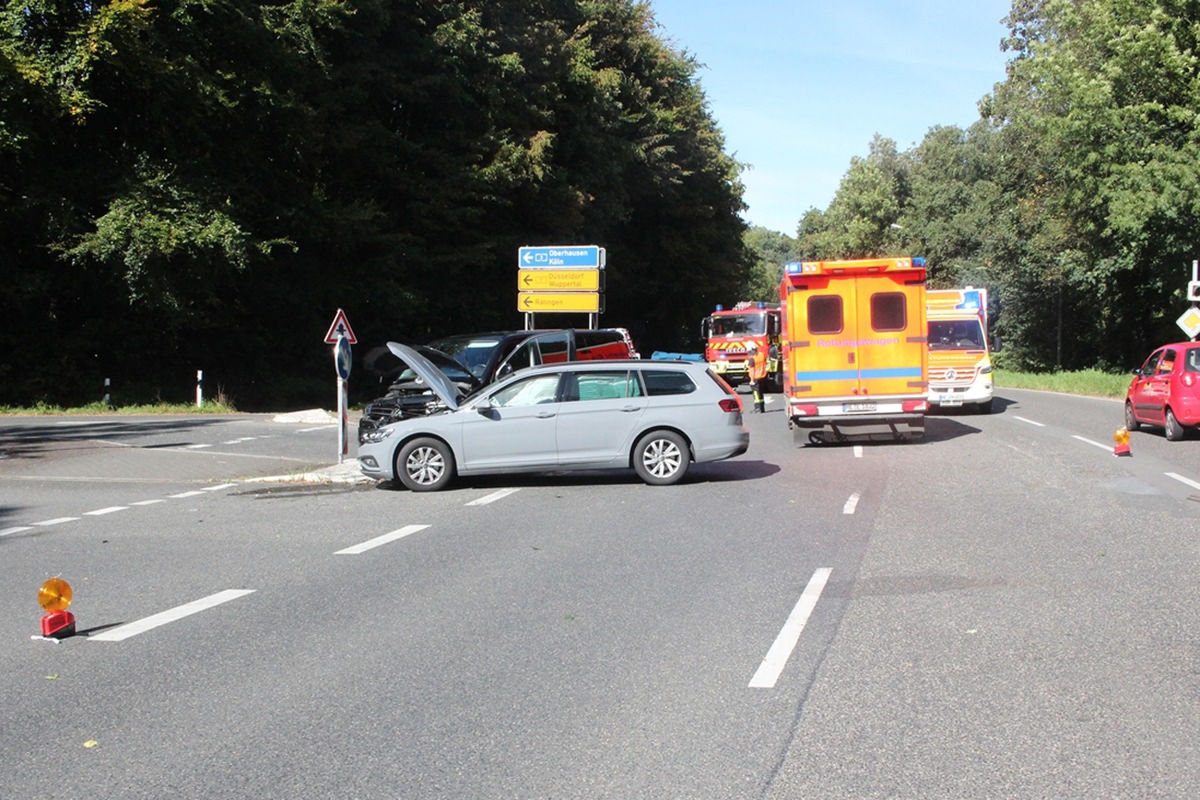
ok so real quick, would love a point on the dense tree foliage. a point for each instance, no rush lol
(190, 184)
(1075, 197)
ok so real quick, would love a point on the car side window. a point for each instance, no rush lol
(1193, 360)
(1151, 362)
(614, 385)
(665, 382)
(1167, 365)
(528, 392)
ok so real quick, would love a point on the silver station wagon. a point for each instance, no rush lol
(655, 417)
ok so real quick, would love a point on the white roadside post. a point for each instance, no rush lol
(341, 362)
(341, 336)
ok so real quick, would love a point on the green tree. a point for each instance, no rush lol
(770, 250)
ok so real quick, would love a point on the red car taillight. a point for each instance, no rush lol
(909, 406)
(731, 405)
(1188, 379)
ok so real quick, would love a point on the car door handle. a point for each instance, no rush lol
(545, 414)
(631, 408)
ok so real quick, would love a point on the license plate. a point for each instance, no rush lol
(849, 407)
(950, 401)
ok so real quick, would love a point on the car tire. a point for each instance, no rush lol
(661, 458)
(1131, 423)
(1172, 428)
(425, 464)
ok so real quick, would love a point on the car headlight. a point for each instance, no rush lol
(377, 435)
(986, 370)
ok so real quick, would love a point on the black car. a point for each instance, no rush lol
(472, 361)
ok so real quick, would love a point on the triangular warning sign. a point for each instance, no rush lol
(340, 329)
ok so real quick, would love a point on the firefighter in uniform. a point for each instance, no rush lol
(756, 371)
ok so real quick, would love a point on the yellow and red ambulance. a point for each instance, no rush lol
(855, 362)
(960, 366)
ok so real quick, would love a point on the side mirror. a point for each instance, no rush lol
(484, 406)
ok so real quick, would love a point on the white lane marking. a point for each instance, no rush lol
(181, 495)
(858, 451)
(99, 512)
(55, 521)
(1101, 445)
(1174, 475)
(123, 632)
(493, 497)
(381, 540)
(1031, 422)
(148, 502)
(197, 446)
(851, 504)
(322, 428)
(219, 487)
(771, 667)
(18, 529)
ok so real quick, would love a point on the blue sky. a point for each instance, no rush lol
(799, 87)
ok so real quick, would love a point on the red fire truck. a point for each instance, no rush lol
(726, 332)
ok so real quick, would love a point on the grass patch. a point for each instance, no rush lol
(1088, 382)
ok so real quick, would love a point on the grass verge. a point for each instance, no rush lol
(1088, 382)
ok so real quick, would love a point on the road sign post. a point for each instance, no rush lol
(342, 361)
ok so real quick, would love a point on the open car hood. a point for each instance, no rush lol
(434, 378)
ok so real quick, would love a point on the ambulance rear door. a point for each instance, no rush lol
(890, 341)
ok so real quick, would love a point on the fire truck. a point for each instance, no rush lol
(855, 362)
(727, 331)
(960, 366)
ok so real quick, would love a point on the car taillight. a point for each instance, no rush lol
(804, 410)
(1188, 380)
(731, 405)
(911, 406)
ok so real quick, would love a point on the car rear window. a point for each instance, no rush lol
(662, 382)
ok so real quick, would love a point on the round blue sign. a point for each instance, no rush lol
(342, 358)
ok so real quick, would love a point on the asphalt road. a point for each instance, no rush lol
(1003, 610)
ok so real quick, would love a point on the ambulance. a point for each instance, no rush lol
(855, 361)
(960, 366)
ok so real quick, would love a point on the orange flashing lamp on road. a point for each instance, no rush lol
(1121, 437)
(54, 597)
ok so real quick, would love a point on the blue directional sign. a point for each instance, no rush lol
(580, 256)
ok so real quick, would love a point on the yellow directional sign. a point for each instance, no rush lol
(586, 302)
(562, 280)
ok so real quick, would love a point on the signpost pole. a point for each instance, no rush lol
(343, 442)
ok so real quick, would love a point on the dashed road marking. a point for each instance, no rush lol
(1182, 479)
(17, 529)
(56, 521)
(781, 650)
(99, 512)
(122, 632)
(851, 504)
(381, 540)
(1093, 443)
(493, 497)
(1031, 422)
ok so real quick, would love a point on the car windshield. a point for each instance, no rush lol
(739, 324)
(474, 352)
(955, 334)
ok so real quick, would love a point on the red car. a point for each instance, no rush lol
(1165, 392)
